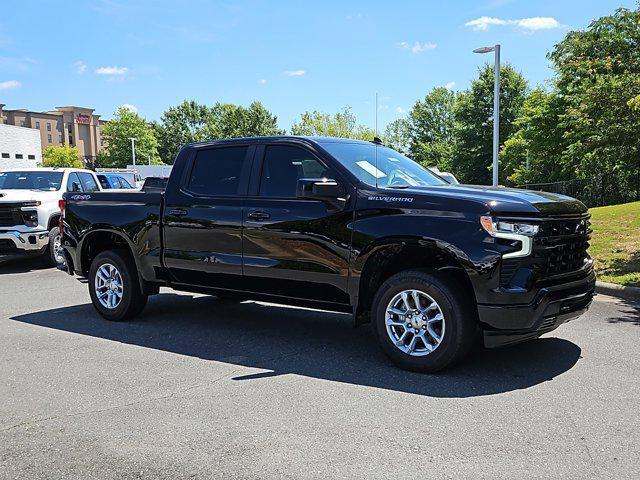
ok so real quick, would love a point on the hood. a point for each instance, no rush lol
(503, 200)
(28, 195)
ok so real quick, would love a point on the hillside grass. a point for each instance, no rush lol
(615, 243)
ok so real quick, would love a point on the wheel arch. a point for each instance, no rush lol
(100, 240)
(389, 256)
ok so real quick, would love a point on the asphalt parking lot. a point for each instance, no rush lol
(204, 388)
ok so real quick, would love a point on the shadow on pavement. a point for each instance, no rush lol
(22, 264)
(324, 345)
(630, 313)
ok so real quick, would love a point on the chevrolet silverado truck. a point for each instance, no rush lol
(342, 225)
(30, 211)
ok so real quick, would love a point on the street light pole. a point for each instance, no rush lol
(496, 106)
(133, 150)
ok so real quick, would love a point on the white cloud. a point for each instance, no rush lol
(80, 67)
(131, 108)
(294, 73)
(450, 85)
(262, 81)
(530, 24)
(538, 23)
(400, 110)
(9, 84)
(112, 70)
(417, 47)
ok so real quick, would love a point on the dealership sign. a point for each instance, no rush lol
(83, 118)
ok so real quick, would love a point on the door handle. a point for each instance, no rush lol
(259, 215)
(178, 212)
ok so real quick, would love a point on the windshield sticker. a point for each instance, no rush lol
(370, 169)
(381, 198)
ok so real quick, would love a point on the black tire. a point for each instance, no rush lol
(50, 252)
(133, 300)
(460, 320)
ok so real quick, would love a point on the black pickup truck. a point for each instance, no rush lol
(342, 225)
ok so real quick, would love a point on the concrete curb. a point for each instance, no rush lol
(628, 293)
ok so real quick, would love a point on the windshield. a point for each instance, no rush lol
(48, 181)
(380, 166)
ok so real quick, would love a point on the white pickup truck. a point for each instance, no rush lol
(30, 210)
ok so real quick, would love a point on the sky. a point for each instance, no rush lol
(292, 56)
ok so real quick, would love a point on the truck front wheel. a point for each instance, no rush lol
(114, 286)
(422, 321)
(54, 251)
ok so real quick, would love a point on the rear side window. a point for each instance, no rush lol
(115, 182)
(282, 168)
(124, 183)
(217, 171)
(104, 182)
(73, 183)
(89, 183)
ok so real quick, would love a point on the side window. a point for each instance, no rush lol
(124, 183)
(73, 183)
(217, 171)
(282, 168)
(115, 181)
(104, 183)
(88, 182)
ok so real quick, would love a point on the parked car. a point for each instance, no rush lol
(30, 211)
(111, 181)
(154, 184)
(342, 225)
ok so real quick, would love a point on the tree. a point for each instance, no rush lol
(191, 122)
(117, 133)
(64, 157)
(473, 125)
(397, 135)
(180, 124)
(342, 124)
(431, 130)
(598, 77)
(538, 140)
(231, 121)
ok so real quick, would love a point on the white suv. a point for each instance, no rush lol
(30, 211)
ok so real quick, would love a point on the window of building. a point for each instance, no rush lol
(19, 156)
(49, 138)
(60, 138)
(282, 168)
(48, 127)
(5, 155)
(217, 171)
(22, 123)
(37, 124)
(70, 140)
(31, 157)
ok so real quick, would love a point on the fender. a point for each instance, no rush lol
(91, 233)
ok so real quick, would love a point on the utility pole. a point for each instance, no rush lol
(496, 105)
(133, 149)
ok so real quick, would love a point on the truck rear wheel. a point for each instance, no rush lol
(422, 321)
(114, 287)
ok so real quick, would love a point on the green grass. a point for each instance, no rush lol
(615, 243)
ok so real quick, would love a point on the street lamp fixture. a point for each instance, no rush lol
(496, 105)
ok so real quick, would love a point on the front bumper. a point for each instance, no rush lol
(551, 307)
(13, 242)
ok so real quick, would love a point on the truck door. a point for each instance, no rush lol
(294, 247)
(203, 218)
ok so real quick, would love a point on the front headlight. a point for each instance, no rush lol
(501, 226)
(511, 230)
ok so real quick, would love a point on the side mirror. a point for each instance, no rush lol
(322, 189)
